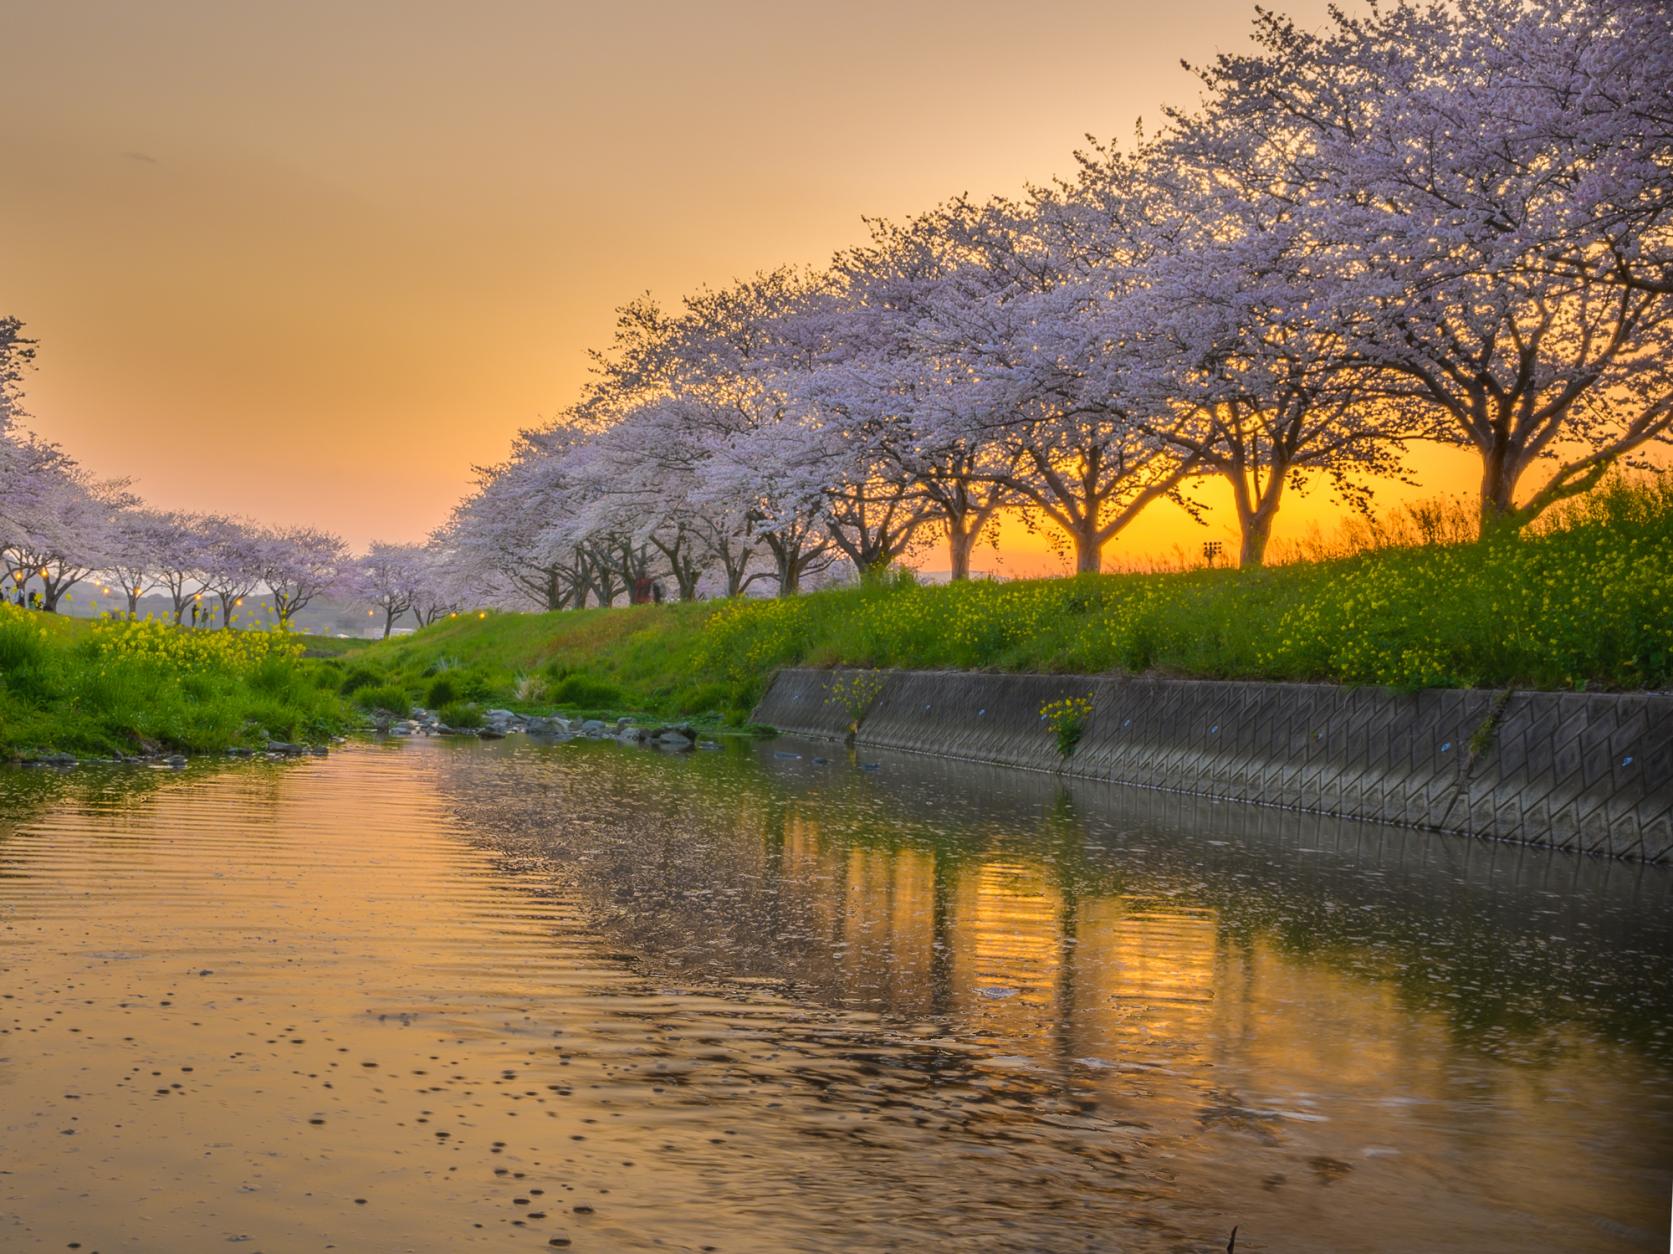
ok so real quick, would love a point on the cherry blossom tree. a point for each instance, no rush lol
(1480, 305)
(231, 555)
(440, 582)
(504, 527)
(1040, 360)
(1241, 339)
(299, 564)
(392, 575)
(17, 354)
(874, 375)
(138, 537)
(722, 358)
(65, 529)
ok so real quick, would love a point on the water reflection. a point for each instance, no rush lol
(438, 997)
(1326, 1022)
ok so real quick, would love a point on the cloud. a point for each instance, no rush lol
(146, 157)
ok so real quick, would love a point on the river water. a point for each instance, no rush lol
(456, 996)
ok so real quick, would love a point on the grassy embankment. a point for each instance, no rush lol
(98, 688)
(1586, 601)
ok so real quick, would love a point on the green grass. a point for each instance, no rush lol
(63, 690)
(331, 646)
(1586, 602)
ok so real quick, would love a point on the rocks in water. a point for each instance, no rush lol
(491, 733)
(59, 761)
(675, 740)
(159, 760)
(504, 721)
(594, 727)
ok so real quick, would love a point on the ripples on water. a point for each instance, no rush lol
(454, 996)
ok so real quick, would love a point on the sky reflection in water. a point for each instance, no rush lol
(751, 1001)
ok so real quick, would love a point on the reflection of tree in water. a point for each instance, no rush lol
(908, 889)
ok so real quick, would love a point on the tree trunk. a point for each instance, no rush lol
(1257, 522)
(1257, 533)
(1089, 550)
(1498, 490)
(961, 539)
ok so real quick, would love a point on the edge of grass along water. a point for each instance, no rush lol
(112, 687)
(1585, 602)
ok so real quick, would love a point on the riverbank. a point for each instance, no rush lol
(77, 689)
(1584, 603)
(1581, 772)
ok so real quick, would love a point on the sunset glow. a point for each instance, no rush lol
(312, 264)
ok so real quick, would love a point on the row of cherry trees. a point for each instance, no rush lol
(61, 527)
(1437, 222)
(1443, 223)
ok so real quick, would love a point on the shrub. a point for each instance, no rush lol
(460, 714)
(443, 691)
(587, 692)
(385, 697)
(357, 679)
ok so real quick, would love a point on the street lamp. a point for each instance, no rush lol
(1211, 549)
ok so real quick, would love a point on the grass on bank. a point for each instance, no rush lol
(1584, 602)
(98, 688)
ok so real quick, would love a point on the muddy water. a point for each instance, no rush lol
(497, 996)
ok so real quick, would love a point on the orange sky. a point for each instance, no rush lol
(310, 261)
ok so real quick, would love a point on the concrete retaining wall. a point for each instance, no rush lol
(1578, 771)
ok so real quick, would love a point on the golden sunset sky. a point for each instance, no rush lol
(308, 262)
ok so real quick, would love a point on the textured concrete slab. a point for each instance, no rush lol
(1589, 771)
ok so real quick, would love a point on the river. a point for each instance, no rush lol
(440, 996)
